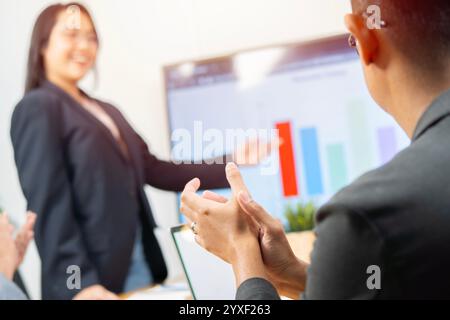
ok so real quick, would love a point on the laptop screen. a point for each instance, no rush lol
(209, 277)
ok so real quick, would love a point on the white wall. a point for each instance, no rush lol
(137, 38)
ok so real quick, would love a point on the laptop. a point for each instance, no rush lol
(209, 277)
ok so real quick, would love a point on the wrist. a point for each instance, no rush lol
(246, 260)
(243, 245)
(293, 278)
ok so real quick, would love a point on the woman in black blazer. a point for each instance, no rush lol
(82, 168)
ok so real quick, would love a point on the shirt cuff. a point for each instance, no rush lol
(9, 290)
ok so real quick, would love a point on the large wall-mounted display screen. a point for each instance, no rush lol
(313, 93)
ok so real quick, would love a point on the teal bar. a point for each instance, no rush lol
(337, 166)
(361, 142)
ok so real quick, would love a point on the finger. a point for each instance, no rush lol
(28, 226)
(31, 220)
(20, 238)
(235, 179)
(4, 218)
(191, 200)
(255, 227)
(23, 239)
(253, 209)
(189, 192)
(192, 186)
(214, 196)
(7, 225)
(11, 229)
(26, 233)
(190, 214)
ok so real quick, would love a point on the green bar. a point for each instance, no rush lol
(361, 143)
(337, 166)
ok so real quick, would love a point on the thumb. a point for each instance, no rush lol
(31, 219)
(253, 209)
(234, 178)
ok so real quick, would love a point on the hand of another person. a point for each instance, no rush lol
(24, 237)
(96, 292)
(254, 151)
(8, 251)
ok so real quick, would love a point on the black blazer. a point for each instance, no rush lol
(87, 193)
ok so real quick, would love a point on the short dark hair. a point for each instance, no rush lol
(41, 33)
(420, 28)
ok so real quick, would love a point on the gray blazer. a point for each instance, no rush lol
(9, 291)
(386, 236)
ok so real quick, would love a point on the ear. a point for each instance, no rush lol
(367, 42)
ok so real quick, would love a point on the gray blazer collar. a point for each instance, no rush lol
(440, 108)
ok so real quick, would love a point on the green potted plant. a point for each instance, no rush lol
(300, 217)
(299, 227)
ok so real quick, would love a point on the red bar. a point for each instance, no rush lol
(287, 161)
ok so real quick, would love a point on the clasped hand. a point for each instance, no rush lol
(230, 228)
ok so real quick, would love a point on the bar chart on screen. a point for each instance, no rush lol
(336, 157)
(317, 160)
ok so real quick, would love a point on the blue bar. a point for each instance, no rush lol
(311, 161)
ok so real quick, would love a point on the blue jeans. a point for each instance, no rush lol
(139, 274)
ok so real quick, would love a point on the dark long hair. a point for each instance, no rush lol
(39, 40)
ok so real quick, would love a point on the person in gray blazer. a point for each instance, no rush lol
(386, 235)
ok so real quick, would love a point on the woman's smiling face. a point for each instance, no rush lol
(72, 48)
